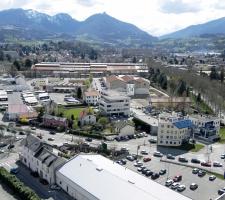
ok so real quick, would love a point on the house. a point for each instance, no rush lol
(91, 97)
(173, 130)
(206, 127)
(124, 128)
(114, 103)
(41, 158)
(86, 118)
(54, 122)
(94, 177)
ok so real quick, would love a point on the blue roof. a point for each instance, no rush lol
(186, 123)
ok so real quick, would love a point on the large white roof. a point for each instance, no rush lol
(107, 180)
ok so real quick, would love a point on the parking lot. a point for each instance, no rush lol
(206, 189)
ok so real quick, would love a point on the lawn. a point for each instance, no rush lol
(190, 147)
(197, 147)
(222, 135)
(201, 106)
(69, 112)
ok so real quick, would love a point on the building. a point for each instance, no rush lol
(18, 111)
(91, 97)
(83, 70)
(40, 157)
(94, 177)
(173, 130)
(131, 85)
(206, 127)
(3, 100)
(54, 122)
(86, 118)
(114, 103)
(124, 128)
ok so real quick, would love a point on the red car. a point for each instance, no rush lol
(206, 164)
(177, 178)
(147, 159)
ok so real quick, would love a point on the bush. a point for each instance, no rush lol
(17, 186)
(86, 134)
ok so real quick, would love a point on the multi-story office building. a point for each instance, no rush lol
(173, 130)
(114, 103)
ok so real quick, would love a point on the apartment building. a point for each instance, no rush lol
(41, 158)
(114, 103)
(131, 85)
(173, 130)
(91, 97)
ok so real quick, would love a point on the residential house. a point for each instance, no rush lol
(54, 122)
(91, 97)
(86, 117)
(41, 158)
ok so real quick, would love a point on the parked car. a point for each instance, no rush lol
(52, 132)
(21, 133)
(51, 139)
(148, 173)
(182, 159)
(212, 177)
(154, 176)
(147, 159)
(195, 160)
(195, 171)
(55, 187)
(181, 188)
(206, 164)
(43, 181)
(152, 140)
(193, 186)
(201, 173)
(177, 178)
(217, 164)
(88, 139)
(123, 161)
(144, 152)
(130, 158)
(14, 170)
(175, 186)
(162, 172)
(171, 157)
(2, 151)
(144, 170)
(138, 164)
(169, 182)
(11, 146)
(221, 191)
(3, 144)
(157, 154)
(222, 156)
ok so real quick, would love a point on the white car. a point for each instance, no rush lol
(55, 187)
(212, 177)
(181, 188)
(2, 151)
(175, 185)
(217, 164)
(138, 164)
(169, 182)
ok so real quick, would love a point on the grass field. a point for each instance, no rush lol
(69, 112)
(222, 135)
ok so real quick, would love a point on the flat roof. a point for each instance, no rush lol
(107, 180)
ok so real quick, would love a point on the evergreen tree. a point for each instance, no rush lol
(222, 75)
(79, 93)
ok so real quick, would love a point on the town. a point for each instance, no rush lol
(96, 108)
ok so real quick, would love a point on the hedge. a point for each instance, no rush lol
(86, 134)
(17, 186)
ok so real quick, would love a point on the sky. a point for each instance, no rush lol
(157, 17)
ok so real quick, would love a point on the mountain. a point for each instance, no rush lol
(30, 24)
(210, 28)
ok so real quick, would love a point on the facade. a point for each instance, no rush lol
(94, 177)
(173, 130)
(91, 97)
(83, 70)
(206, 127)
(86, 118)
(124, 128)
(54, 122)
(114, 103)
(131, 85)
(39, 157)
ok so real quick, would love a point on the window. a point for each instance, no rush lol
(60, 182)
(162, 125)
(170, 142)
(161, 136)
(161, 131)
(168, 126)
(174, 143)
(166, 142)
(161, 141)
(167, 137)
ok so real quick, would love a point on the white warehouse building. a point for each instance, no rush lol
(94, 177)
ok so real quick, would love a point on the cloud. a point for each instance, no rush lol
(88, 3)
(179, 6)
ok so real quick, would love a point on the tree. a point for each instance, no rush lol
(40, 114)
(1, 55)
(8, 57)
(213, 74)
(199, 97)
(103, 121)
(222, 75)
(72, 117)
(79, 93)
(17, 65)
(28, 63)
(134, 60)
(181, 87)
